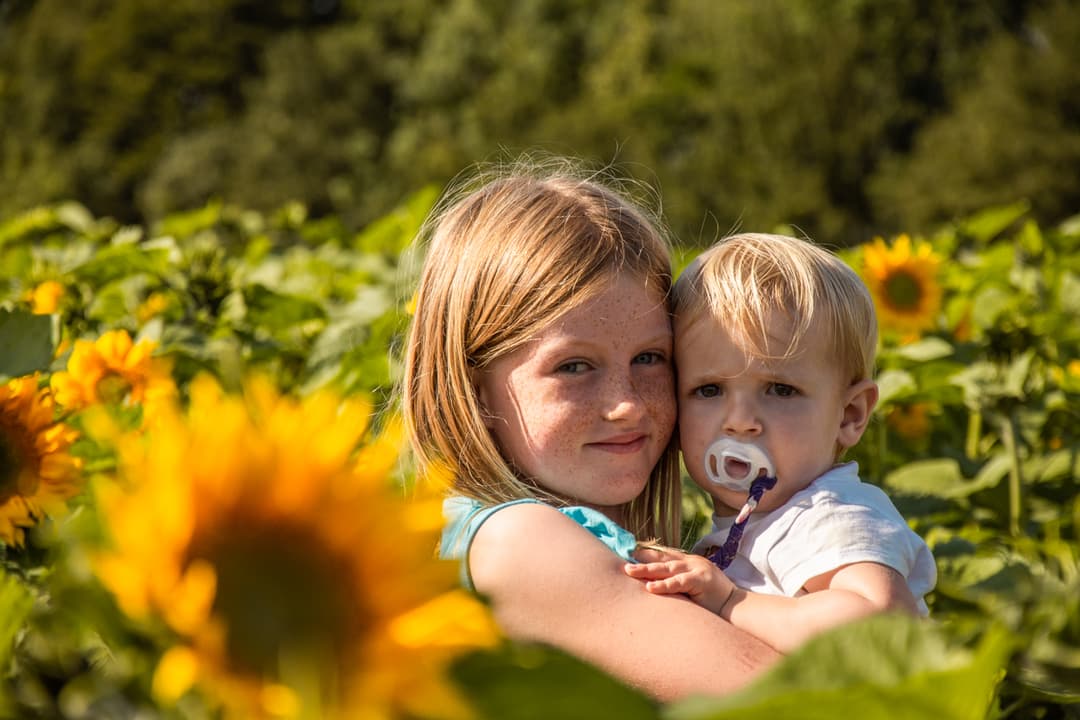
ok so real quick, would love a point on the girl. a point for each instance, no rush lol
(539, 371)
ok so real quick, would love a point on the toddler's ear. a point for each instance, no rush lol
(859, 402)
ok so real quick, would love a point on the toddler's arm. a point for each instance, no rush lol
(831, 599)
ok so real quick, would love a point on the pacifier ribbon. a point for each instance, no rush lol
(723, 555)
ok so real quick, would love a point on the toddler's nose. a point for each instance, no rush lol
(741, 418)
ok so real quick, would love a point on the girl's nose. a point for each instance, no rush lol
(622, 400)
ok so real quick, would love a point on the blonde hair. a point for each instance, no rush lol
(505, 260)
(744, 278)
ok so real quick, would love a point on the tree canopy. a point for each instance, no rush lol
(832, 117)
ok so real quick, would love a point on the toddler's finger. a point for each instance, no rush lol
(653, 553)
(648, 571)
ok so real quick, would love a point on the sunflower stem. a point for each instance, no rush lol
(974, 429)
(1016, 479)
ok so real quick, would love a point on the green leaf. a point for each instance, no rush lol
(27, 340)
(278, 311)
(119, 261)
(931, 348)
(15, 604)
(984, 226)
(185, 224)
(884, 667)
(393, 232)
(524, 682)
(894, 385)
(938, 478)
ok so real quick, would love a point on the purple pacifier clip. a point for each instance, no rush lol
(723, 555)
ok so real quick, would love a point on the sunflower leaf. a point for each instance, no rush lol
(27, 340)
(988, 224)
(527, 682)
(884, 667)
(15, 604)
(930, 348)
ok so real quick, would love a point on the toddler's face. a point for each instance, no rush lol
(793, 409)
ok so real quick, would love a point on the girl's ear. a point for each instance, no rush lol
(859, 402)
(476, 378)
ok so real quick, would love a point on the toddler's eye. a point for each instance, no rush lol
(707, 391)
(782, 390)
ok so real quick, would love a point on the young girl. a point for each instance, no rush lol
(539, 371)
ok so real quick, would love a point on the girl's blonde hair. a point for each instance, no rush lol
(505, 260)
(744, 278)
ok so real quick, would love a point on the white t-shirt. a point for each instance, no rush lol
(836, 521)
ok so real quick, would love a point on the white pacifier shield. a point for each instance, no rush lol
(749, 456)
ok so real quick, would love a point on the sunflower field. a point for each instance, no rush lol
(206, 510)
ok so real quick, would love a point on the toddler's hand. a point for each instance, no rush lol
(668, 572)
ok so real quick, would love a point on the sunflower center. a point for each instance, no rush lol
(904, 290)
(113, 388)
(16, 477)
(284, 598)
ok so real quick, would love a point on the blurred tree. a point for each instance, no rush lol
(1013, 133)
(744, 114)
(93, 90)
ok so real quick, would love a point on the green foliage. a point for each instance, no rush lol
(29, 343)
(885, 667)
(988, 475)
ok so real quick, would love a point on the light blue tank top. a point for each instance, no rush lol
(464, 516)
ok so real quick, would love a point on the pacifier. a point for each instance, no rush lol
(736, 465)
(733, 464)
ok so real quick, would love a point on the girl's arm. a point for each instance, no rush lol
(549, 580)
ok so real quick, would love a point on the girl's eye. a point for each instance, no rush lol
(707, 391)
(648, 358)
(782, 390)
(573, 367)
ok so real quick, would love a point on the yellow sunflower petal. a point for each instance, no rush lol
(176, 673)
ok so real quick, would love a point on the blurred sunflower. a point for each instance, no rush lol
(114, 370)
(297, 581)
(37, 474)
(155, 304)
(903, 282)
(45, 298)
(910, 421)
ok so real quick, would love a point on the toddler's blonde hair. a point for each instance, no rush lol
(743, 279)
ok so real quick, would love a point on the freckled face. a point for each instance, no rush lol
(792, 409)
(587, 407)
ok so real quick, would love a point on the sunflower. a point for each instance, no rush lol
(36, 472)
(910, 421)
(295, 579)
(114, 370)
(155, 304)
(45, 298)
(903, 282)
